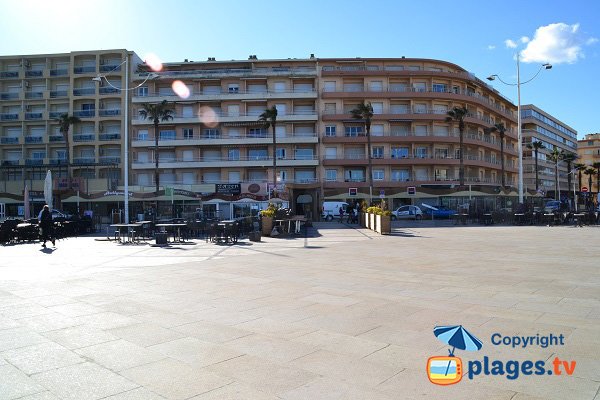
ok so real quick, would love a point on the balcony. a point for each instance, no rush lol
(84, 137)
(56, 114)
(33, 139)
(9, 140)
(110, 136)
(84, 91)
(224, 117)
(34, 73)
(56, 138)
(34, 161)
(84, 160)
(238, 72)
(34, 95)
(57, 161)
(58, 93)
(216, 162)
(108, 90)
(110, 159)
(59, 72)
(10, 162)
(229, 95)
(34, 115)
(110, 67)
(83, 70)
(9, 96)
(110, 112)
(9, 116)
(84, 113)
(225, 139)
(9, 74)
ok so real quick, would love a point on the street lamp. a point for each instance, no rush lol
(519, 128)
(98, 79)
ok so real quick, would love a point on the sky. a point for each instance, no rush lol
(481, 36)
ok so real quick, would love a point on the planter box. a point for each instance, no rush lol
(161, 238)
(372, 222)
(384, 224)
(254, 236)
(267, 225)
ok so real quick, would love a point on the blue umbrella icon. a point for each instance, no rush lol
(457, 337)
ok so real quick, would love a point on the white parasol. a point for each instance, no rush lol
(48, 189)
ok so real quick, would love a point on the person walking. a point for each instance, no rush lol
(350, 214)
(341, 213)
(46, 225)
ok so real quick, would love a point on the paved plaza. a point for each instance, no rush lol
(340, 314)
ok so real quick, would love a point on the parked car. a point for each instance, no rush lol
(331, 209)
(552, 206)
(440, 212)
(407, 212)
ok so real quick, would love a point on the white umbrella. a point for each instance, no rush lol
(48, 189)
(26, 203)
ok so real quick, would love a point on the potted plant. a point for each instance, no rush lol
(385, 222)
(267, 216)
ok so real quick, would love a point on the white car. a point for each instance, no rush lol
(407, 212)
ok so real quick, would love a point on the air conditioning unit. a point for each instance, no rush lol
(101, 104)
(101, 127)
(27, 108)
(26, 63)
(26, 84)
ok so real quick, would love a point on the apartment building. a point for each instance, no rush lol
(35, 90)
(412, 144)
(588, 150)
(539, 126)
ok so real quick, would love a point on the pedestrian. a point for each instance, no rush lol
(341, 212)
(46, 226)
(350, 213)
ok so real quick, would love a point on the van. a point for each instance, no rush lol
(331, 209)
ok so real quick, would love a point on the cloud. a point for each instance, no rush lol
(510, 44)
(491, 47)
(524, 39)
(556, 43)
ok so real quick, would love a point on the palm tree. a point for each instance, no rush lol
(269, 119)
(596, 165)
(536, 146)
(556, 156)
(157, 113)
(65, 121)
(458, 114)
(589, 171)
(569, 158)
(501, 129)
(364, 111)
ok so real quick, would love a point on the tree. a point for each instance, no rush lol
(269, 119)
(458, 114)
(589, 171)
(158, 113)
(596, 165)
(569, 158)
(580, 168)
(364, 111)
(501, 129)
(64, 122)
(536, 146)
(556, 156)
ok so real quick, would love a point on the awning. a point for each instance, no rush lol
(344, 196)
(418, 195)
(304, 199)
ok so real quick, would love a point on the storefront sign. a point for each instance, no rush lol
(231, 189)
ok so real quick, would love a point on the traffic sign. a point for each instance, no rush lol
(382, 193)
(584, 189)
(411, 190)
(352, 191)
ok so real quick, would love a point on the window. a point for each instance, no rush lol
(187, 111)
(331, 175)
(233, 110)
(211, 155)
(330, 108)
(400, 175)
(377, 108)
(377, 130)
(281, 154)
(210, 133)
(233, 88)
(142, 134)
(377, 152)
(282, 175)
(399, 152)
(166, 156)
(329, 86)
(330, 130)
(188, 178)
(354, 175)
(354, 131)
(167, 135)
(211, 177)
(257, 132)
(142, 91)
(258, 154)
(305, 175)
(330, 153)
(378, 174)
(420, 108)
(421, 130)
(421, 152)
(439, 87)
(419, 87)
(303, 154)
(187, 155)
(439, 130)
(233, 154)
(376, 86)
(441, 153)
(188, 133)
(234, 177)
(457, 154)
(279, 87)
(257, 176)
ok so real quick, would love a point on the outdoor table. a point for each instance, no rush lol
(460, 218)
(298, 220)
(487, 219)
(548, 218)
(579, 219)
(177, 228)
(124, 234)
(519, 218)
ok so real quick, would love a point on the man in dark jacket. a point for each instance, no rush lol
(47, 226)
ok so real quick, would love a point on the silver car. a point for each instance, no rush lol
(407, 212)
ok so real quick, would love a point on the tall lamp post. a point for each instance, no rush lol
(98, 79)
(519, 127)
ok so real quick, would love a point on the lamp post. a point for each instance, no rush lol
(519, 127)
(98, 79)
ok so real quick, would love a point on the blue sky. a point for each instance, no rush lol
(472, 34)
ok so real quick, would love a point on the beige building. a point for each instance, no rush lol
(540, 126)
(589, 154)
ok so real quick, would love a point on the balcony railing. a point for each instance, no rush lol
(58, 93)
(34, 161)
(108, 90)
(11, 162)
(110, 112)
(56, 114)
(34, 139)
(59, 72)
(84, 113)
(34, 73)
(33, 115)
(227, 159)
(258, 93)
(84, 91)
(224, 114)
(9, 96)
(9, 116)
(9, 74)
(84, 137)
(56, 138)
(110, 136)
(110, 159)
(83, 70)
(241, 136)
(34, 95)
(57, 161)
(84, 160)
(110, 67)
(261, 71)
(9, 140)
(423, 179)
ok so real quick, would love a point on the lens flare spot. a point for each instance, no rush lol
(181, 89)
(154, 62)
(208, 117)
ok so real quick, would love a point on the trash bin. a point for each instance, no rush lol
(161, 237)
(254, 236)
